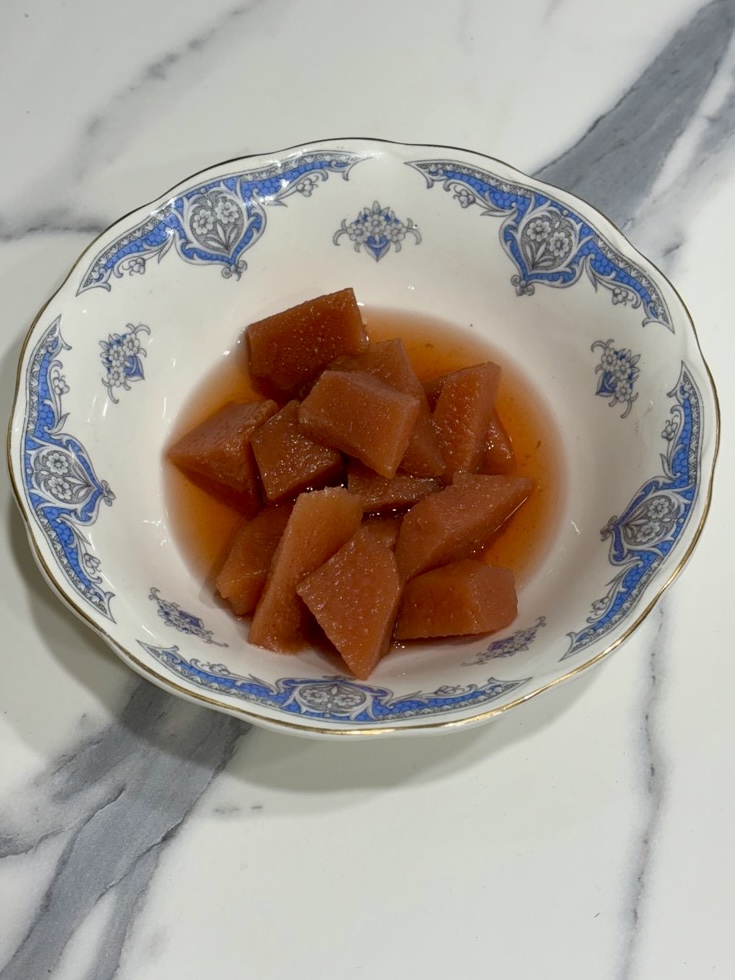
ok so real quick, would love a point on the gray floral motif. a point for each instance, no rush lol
(598, 606)
(221, 669)
(548, 239)
(216, 221)
(179, 619)
(91, 564)
(651, 522)
(669, 430)
(59, 385)
(377, 229)
(618, 373)
(307, 185)
(538, 230)
(59, 474)
(121, 358)
(332, 699)
(136, 266)
(465, 197)
(57, 462)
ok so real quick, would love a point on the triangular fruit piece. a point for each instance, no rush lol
(380, 494)
(320, 523)
(462, 415)
(457, 521)
(242, 577)
(287, 350)
(219, 448)
(463, 598)
(354, 598)
(388, 360)
(355, 412)
(288, 460)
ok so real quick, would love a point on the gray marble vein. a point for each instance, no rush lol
(116, 801)
(551, 9)
(654, 773)
(616, 162)
(706, 154)
(721, 124)
(107, 132)
(56, 221)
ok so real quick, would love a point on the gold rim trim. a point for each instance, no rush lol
(274, 722)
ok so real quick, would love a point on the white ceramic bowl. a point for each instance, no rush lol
(160, 297)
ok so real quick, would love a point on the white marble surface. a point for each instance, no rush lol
(587, 835)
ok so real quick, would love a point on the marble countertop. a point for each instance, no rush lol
(586, 834)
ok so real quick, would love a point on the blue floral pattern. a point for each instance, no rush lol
(618, 370)
(515, 643)
(377, 229)
(61, 487)
(644, 534)
(331, 698)
(121, 358)
(179, 619)
(217, 221)
(548, 242)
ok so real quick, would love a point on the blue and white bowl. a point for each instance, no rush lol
(157, 299)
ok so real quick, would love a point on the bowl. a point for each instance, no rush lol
(160, 299)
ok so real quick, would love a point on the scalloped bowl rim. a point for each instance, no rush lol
(341, 726)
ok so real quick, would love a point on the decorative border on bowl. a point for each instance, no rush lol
(650, 526)
(548, 242)
(59, 482)
(330, 698)
(215, 221)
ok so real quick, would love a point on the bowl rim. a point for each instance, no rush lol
(344, 728)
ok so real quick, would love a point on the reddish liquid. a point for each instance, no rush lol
(203, 525)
